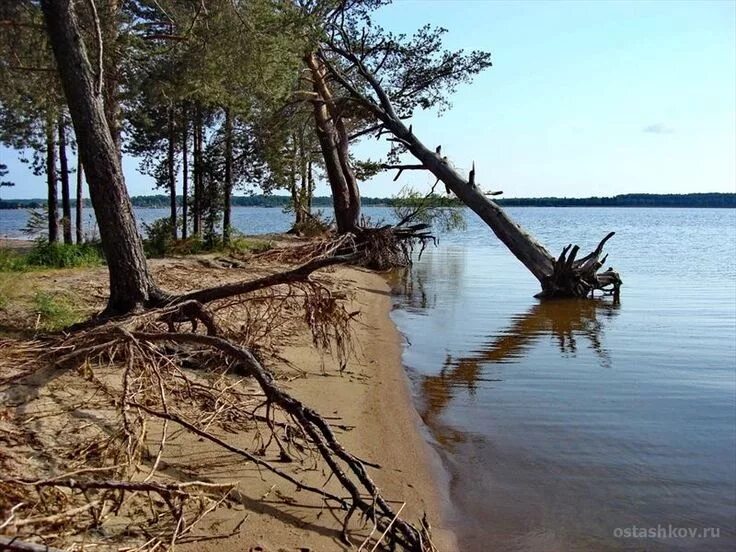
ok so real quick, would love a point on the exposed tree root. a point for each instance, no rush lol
(580, 278)
(158, 385)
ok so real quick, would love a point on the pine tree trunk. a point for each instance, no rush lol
(171, 161)
(227, 192)
(185, 172)
(292, 185)
(52, 204)
(131, 285)
(66, 206)
(79, 205)
(346, 215)
(303, 180)
(111, 59)
(310, 187)
(197, 202)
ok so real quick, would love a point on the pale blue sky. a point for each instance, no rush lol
(584, 98)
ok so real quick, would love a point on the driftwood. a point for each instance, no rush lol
(12, 543)
(559, 277)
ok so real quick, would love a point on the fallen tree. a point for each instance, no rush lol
(355, 59)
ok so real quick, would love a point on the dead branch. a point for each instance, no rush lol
(14, 543)
(317, 429)
(296, 275)
(242, 452)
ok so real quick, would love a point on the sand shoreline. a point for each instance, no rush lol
(369, 405)
(373, 397)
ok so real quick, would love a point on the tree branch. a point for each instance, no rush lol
(298, 274)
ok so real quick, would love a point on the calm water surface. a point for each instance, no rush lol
(249, 220)
(562, 424)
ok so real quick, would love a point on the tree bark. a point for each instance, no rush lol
(171, 161)
(185, 172)
(131, 285)
(52, 204)
(310, 187)
(80, 201)
(295, 203)
(111, 81)
(66, 206)
(345, 195)
(197, 200)
(227, 192)
(304, 168)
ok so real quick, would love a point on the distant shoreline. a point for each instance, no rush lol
(695, 200)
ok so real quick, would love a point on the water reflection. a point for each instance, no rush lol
(414, 284)
(568, 322)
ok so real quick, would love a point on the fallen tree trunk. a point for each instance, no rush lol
(561, 277)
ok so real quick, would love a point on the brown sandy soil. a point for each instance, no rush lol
(368, 405)
(16, 245)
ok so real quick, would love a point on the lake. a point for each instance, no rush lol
(572, 425)
(248, 220)
(582, 425)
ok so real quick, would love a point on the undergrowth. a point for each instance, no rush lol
(51, 255)
(159, 242)
(55, 311)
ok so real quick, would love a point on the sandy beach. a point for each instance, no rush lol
(371, 405)
(368, 404)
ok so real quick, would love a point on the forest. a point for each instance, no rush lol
(706, 200)
(216, 97)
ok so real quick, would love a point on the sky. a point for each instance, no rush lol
(584, 98)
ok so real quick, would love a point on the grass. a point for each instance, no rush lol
(60, 255)
(242, 244)
(4, 292)
(51, 255)
(12, 261)
(159, 243)
(55, 312)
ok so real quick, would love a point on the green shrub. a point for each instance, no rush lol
(12, 261)
(311, 227)
(158, 237)
(63, 255)
(190, 246)
(55, 311)
(241, 244)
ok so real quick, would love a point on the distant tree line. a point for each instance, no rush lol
(712, 200)
(629, 200)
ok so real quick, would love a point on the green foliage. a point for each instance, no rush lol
(37, 222)
(158, 237)
(311, 227)
(61, 255)
(441, 213)
(12, 261)
(159, 242)
(241, 244)
(51, 255)
(55, 311)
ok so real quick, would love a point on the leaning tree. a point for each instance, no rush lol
(391, 77)
(131, 285)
